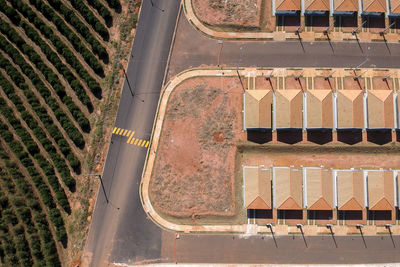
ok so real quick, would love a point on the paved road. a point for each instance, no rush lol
(193, 49)
(120, 231)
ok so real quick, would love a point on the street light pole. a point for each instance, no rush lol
(102, 185)
(300, 226)
(329, 226)
(126, 77)
(272, 232)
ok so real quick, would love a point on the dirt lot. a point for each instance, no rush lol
(241, 13)
(194, 169)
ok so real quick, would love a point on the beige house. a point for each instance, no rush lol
(319, 109)
(257, 187)
(380, 109)
(289, 109)
(288, 187)
(350, 190)
(395, 6)
(350, 109)
(258, 109)
(319, 184)
(380, 190)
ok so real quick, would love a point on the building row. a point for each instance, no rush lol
(320, 109)
(294, 195)
(389, 8)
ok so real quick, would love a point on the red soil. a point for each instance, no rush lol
(194, 168)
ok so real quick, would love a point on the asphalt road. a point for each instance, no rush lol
(120, 232)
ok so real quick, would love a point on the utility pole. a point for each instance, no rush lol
(102, 185)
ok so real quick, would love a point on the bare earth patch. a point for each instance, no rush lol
(194, 168)
(244, 13)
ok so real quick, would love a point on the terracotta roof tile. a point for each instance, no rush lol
(288, 188)
(350, 190)
(380, 109)
(380, 190)
(319, 109)
(282, 5)
(345, 5)
(257, 186)
(258, 108)
(317, 5)
(289, 105)
(395, 6)
(319, 189)
(374, 5)
(350, 109)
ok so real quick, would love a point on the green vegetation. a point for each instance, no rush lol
(53, 57)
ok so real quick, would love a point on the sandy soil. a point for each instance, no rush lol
(243, 13)
(194, 169)
(313, 157)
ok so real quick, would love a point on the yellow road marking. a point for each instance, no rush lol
(140, 143)
(144, 142)
(136, 141)
(117, 132)
(130, 137)
(115, 128)
(147, 144)
(129, 132)
(133, 139)
(126, 131)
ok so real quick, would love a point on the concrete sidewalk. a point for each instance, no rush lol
(246, 229)
(335, 35)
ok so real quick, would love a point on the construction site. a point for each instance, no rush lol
(284, 147)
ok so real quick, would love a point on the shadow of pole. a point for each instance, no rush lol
(359, 227)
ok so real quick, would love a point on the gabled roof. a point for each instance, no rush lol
(395, 6)
(319, 109)
(380, 109)
(345, 5)
(380, 190)
(374, 6)
(350, 190)
(282, 5)
(317, 5)
(289, 105)
(350, 109)
(258, 108)
(288, 188)
(319, 189)
(257, 188)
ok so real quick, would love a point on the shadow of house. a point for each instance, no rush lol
(258, 115)
(319, 116)
(287, 13)
(288, 195)
(350, 196)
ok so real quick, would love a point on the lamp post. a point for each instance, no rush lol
(355, 31)
(300, 226)
(272, 232)
(359, 227)
(126, 77)
(329, 226)
(102, 185)
(382, 32)
(387, 226)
